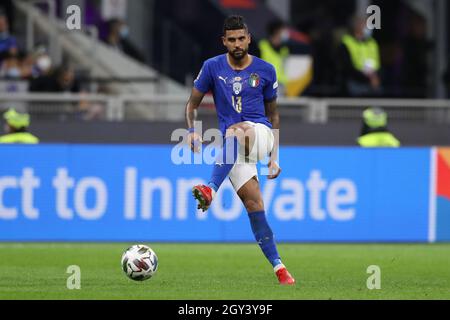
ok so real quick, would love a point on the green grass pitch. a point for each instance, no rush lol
(226, 271)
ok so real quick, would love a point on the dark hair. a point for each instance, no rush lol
(62, 69)
(274, 26)
(113, 24)
(234, 22)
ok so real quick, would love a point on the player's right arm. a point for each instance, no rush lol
(194, 138)
(202, 84)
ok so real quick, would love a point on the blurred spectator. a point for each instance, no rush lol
(8, 43)
(359, 61)
(274, 49)
(374, 132)
(41, 63)
(16, 127)
(11, 67)
(61, 80)
(415, 59)
(12, 75)
(17, 65)
(27, 67)
(446, 79)
(118, 38)
(324, 42)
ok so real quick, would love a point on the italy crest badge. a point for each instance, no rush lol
(253, 81)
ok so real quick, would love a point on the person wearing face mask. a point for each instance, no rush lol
(274, 49)
(11, 68)
(359, 61)
(8, 43)
(41, 63)
(118, 37)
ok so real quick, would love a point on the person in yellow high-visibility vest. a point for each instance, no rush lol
(359, 60)
(374, 132)
(16, 127)
(275, 51)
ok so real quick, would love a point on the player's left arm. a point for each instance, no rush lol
(272, 113)
(274, 118)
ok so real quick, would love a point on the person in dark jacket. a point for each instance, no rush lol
(118, 38)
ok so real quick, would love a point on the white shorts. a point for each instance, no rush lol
(245, 167)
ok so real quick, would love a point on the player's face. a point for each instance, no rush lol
(237, 43)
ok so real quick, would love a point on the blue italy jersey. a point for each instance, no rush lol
(239, 95)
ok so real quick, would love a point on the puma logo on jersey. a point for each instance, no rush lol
(223, 79)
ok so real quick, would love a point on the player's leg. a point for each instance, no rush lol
(238, 138)
(251, 197)
(240, 135)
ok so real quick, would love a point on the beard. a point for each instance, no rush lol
(239, 54)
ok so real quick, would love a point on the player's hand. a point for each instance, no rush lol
(274, 170)
(194, 141)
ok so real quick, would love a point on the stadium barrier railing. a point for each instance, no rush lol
(306, 109)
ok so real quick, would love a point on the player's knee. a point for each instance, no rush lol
(244, 134)
(235, 131)
(240, 130)
(253, 205)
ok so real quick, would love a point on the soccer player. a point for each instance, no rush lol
(244, 88)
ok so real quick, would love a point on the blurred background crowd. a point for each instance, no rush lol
(321, 49)
(406, 64)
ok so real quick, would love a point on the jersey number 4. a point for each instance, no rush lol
(237, 103)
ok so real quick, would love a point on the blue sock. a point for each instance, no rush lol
(224, 162)
(264, 237)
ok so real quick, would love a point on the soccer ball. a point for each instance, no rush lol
(139, 262)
